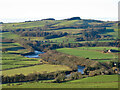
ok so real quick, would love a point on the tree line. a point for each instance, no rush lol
(47, 35)
(44, 46)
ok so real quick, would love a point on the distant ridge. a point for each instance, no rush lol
(41, 20)
(48, 19)
(73, 18)
(68, 19)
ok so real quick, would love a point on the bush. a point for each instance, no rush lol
(92, 73)
(75, 75)
(60, 78)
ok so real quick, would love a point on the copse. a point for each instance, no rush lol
(57, 58)
(30, 77)
(60, 78)
(47, 35)
(75, 75)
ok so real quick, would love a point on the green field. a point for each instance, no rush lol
(26, 24)
(90, 52)
(10, 35)
(12, 58)
(36, 69)
(73, 31)
(108, 81)
(98, 48)
(13, 61)
(99, 79)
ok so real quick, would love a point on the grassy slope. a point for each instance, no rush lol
(36, 69)
(91, 52)
(108, 81)
(10, 35)
(101, 78)
(11, 59)
(26, 24)
(98, 48)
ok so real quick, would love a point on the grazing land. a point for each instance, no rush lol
(36, 69)
(105, 81)
(90, 52)
(12, 57)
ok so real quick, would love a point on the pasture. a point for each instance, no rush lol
(10, 35)
(97, 79)
(12, 58)
(98, 48)
(108, 81)
(26, 24)
(89, 52)
(36, 69)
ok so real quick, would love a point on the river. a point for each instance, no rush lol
(36, 55)
(81, 69)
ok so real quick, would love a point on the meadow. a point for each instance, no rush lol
(10, 35)
(105, 81)
(12, 58)
(90, 52)
(36, 69)
(23, 25)
(97, 79)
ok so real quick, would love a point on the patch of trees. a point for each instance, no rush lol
(48, 45)
(92, 34)
(47, 35)
(72, 76)
(48, 19)
(29, 77)
(56, 35)
(95, 44)
(73, 18)
(60, 78)
(75, 76)
(35, 77)
(57, 58)
(101, 71)
(4, 50)
(80, 39)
